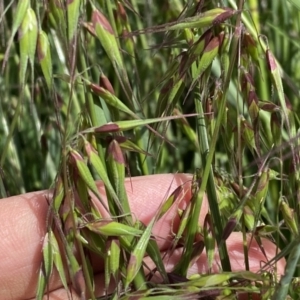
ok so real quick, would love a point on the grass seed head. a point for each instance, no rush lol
(106, 84)
(28, 33)
(115, 152)
(229, 227)
(44, 56)
(108, 128)
(271, 61)
(98, 19)
(73, 10)
(276, 128)
(121, 12)
(250, 46)
(57, 16)
(79, 284)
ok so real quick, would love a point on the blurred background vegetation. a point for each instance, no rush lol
(32, 143)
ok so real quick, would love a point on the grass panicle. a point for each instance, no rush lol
(104, 90)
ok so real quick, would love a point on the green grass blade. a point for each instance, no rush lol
(18, 19)
(136, 257)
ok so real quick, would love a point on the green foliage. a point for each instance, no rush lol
(107, 89)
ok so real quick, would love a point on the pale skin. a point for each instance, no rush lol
(23, 226)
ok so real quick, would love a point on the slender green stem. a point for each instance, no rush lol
(291, 265)
(209, 159)
(86, 272)
(211, 189)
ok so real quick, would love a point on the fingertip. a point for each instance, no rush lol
(259, 255)
(21, 233)
(148, 193)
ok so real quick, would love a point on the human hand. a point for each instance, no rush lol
(23, 226)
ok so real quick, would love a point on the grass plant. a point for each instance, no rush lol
(112, 89)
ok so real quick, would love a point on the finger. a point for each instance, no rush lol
(236, 253)
(23, 220)
(145, 195)
(235, 248)
(21, 233)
